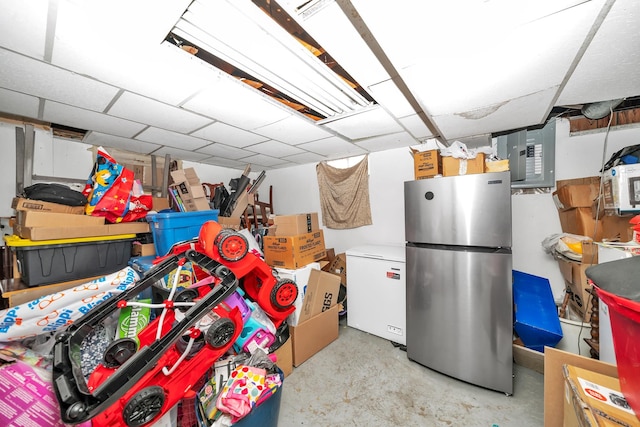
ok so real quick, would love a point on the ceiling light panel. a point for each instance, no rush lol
(221, 132)
(171, 139)
(20, 18)
(18, 103)
(146, 110)
(293, 130)
(32, 77)
(67, 115)
(107, 141)
(243, 35)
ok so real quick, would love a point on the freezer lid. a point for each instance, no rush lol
(467, 210)
(385, 252)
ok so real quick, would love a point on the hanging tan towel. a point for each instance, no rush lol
(344, 195)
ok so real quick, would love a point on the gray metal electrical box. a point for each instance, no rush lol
(531, 155)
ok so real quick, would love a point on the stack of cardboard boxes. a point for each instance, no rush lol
(294, 251)
(576, 201)
(55, 247)
(428, 164)
(187, 192)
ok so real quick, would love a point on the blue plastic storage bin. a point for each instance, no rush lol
(173, 227)
(536, 316)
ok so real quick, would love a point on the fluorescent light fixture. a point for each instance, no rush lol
(240, 33)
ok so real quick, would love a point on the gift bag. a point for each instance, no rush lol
(108, 189)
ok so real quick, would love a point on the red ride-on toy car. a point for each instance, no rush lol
(138, 382)
(275, 296)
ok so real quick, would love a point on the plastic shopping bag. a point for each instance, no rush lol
(54, 311)
(108, 189)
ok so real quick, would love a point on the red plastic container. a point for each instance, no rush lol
(625, 328)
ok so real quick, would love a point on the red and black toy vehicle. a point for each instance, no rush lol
(139, 381)
(258, 280)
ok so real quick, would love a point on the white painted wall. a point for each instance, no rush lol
(295, 190)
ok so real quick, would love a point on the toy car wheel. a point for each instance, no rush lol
(119, 351)
(220, 332)
(186, 295)
(284, 294)
(144, 406)
(232, 246)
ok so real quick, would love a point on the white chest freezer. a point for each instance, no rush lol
(376, 291)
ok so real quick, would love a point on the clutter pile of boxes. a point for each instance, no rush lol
(582, 214)
(57, 247)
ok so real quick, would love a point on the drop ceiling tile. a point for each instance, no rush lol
(221, 132)
(304, 158)
(154, 113)
(32, 77)
(243, 106)
(227, 163)
(18, 103)
(176, 153)
(387, 142)
(293, 130)
(275, 149)
(101, 139)
(416, 126)
(20, 18)
(262, 160)
(171, 139)
(386, 93)
(67, 115)
(225, 151)
(609, 56)
(515, 114)
(332, 145)
(371, 122)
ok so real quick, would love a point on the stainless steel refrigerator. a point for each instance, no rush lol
(459, 277)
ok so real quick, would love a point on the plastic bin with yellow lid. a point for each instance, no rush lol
(53, 261)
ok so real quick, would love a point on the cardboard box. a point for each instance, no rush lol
(160, 203)
(452, 166)
(576, 193)
(580, 221)
(554, 360)
(55, 233)
(232, 223)
(536, 318)
(426, 164)
(21, 204)
(294, 251)
(338, 265)
(301, 277)
(54, 219)
(320, 295)
(292, 225)
(284, 357)
(592, 398)
(142, 249)
(578, 287)
(311, 336)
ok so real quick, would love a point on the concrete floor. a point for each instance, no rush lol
(363, 380)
